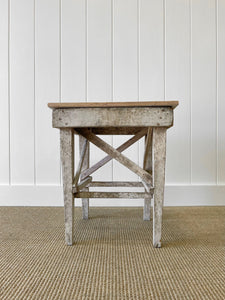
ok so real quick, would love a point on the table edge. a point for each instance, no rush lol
(55, 105)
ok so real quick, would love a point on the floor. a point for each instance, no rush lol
(113, 257)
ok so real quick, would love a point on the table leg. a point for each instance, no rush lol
(67, 160)
(147, 208)
(85, 201)
(147, 165)
(159, 148)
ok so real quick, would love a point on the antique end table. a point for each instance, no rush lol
(88, 120)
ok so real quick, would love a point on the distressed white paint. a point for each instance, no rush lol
(67, 159)
(159, 158)
(104, 116)
(85, 165)
(112, 50)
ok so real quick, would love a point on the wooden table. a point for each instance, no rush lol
(139, 119)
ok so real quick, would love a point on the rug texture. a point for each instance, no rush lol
(113, 257)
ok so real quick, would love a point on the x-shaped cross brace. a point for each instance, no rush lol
(112, 153)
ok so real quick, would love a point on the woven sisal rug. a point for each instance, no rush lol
(113, 257)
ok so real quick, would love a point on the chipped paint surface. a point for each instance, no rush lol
(109, 117)
(159, 148)
(85, 201)
(67, 160)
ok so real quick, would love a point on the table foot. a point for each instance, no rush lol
(157, 245)
(147, 209)
(85, 208)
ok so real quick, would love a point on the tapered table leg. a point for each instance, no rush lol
(85, 201)
(159, 148)
(67, 160)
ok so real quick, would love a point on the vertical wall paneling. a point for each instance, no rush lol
(47, 89)
(99, 50)
(125, 28)
(4, 93)
(99, 68)
(22, 91)
(178, 88)
(73, 50)
(221, 89)
(125, 50)
(203, 91)
(112, 50)
(151, 50)
(151, 54)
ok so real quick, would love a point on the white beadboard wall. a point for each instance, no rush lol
(112, 50)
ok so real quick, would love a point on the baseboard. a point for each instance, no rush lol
(49, 195)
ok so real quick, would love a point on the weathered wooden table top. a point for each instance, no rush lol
(171, 104)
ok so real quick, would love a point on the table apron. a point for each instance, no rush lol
(112, 117)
